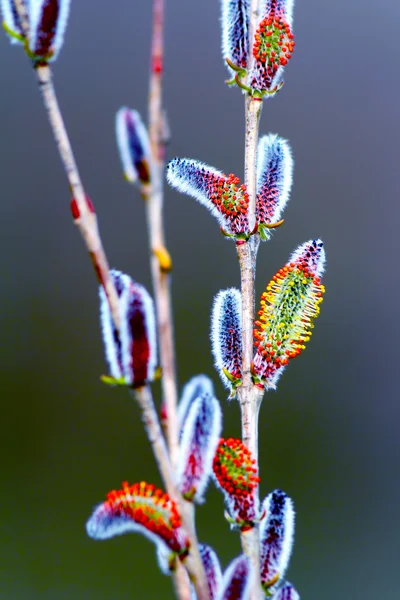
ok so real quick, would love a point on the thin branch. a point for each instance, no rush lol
(87, 220)
(160, 260)
(250, 396)
(144, 398)
(151, 422)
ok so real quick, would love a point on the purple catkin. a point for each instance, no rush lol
(212, 570)
(199, 441)
(235, 583)
(276, 538)
(133, 145)
(226, 337)
(235, 31)
(48, 22)
(274, 180)
(132, 352)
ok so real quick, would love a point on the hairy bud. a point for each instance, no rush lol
(212, 570)
(48, 22)
(200, 437)
(196, 386)
(236, 474)
(276, 538)
(12, 22)
(226, 337)
(143, 508)
(133, 145)
(236, 580)
(288, 307)
(287, 592)
(274, 181)
(132, 352)
(223, 195)
(235, 31)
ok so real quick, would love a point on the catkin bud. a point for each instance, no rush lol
(274, 181)
(212, 570)
(235, 31)
(226, 337)
(236, 580)
(133, 145)
(200, 437)
(12, 22)
(287, 592)
(131, 352)
(48, 22)
(196, 386)
(276, 538)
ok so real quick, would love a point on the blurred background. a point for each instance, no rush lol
(329, 435)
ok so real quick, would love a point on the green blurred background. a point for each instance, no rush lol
(329, 435)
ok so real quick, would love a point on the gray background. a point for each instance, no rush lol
(329, 436)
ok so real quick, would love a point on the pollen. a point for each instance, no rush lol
(290, 304)
(273, 47)
(237, 475)
(149, 507)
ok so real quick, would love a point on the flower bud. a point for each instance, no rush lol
(235, 31)
(236, 474)
(12, 22)
(223, 195)
(133, 145)
(226, 337)
(48, 22)
(287, 592)
(200, 437)
(288, 307)
(276, 538)
(212, 570)
(139, 508)
(196, 386)
(131, 352)
(274, 181)
(236, 580)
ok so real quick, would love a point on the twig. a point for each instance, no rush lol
(160, 260)
(193, 562)
(250, 396)
(86, 219)
(161, 266)
(151, 423)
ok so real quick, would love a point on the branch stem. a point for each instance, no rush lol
(152, 426)
(87, 220)
(154, 211)
(250, 395)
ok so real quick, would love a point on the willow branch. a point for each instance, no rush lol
(152, 425)
(160, 259)
(86, 219)
(249, 395)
